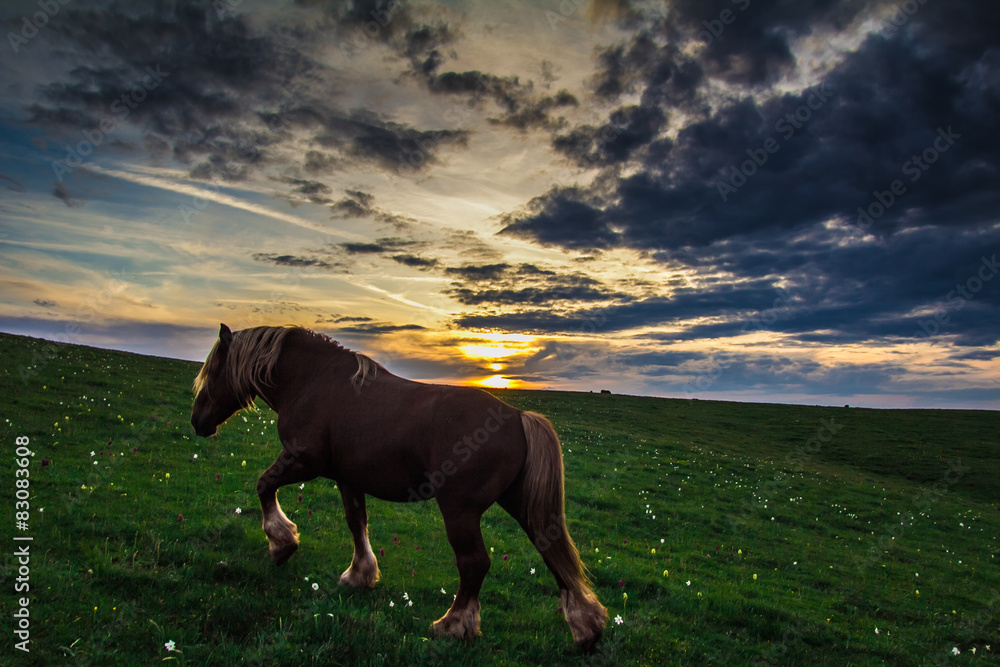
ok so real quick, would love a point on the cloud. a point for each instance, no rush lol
(60, 192)
(291, 260)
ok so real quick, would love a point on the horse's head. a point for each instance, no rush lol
(216, 400)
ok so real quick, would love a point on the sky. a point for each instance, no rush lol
(749, 200)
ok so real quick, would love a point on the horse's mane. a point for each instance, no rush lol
(253, 354)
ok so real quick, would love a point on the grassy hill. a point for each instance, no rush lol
(719, 533)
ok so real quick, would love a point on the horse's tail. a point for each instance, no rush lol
(543, 505)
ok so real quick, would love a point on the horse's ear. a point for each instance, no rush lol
(225, 335)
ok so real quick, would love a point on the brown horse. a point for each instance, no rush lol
(346, 418)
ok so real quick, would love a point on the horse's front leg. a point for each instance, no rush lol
(363, 571)
(282, 534)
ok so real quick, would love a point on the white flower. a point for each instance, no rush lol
(170, 645)
(92, 454)
(239, 511)
(409, 603)
(315, 587)
(688, 582)
(618, 620)
(195, 456)
(955, 651)
(876, 630)
(391, 603)
(532, 570)
(444, 592)
(302, 486)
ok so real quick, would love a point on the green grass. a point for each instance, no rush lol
(769, 548)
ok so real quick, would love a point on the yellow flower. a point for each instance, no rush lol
(666, 573)
(653, 551)
(168, 475)
(755, 577)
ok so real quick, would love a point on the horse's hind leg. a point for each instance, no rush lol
(363, 571)
(282, 534)
(466, 538)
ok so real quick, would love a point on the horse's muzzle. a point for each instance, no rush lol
(203, 428)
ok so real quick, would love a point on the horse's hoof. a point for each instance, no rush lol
(462, 624)
(355, 580)
(282, 554)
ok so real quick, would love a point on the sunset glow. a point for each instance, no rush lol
(509, 194)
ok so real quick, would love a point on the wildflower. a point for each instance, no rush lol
(239, 511)
(170, 645)
(218, 476)
(618, 620)
(244, 464)
(194, 456)
(653, 551)
(688, 582)
(300, 497)
(532, 570)
(666, 573)
(168, 475)
(92, 453)
(409, 603)
(315, 587)
(444, 592)
(310, 512)
(395, 539)
(876, 631)
(302, 486)
(621, 583)
(755, 576)
(391, 603)
(505, 556)
(180, 517)
(406, 596)
(381, 551)
(955, 651)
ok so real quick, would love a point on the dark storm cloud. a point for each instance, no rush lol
(292, 260)
(414, 261)
(476, 272)
(221, 95)
(750, 185)
(380, 328)
(60, 192)
(380, 246)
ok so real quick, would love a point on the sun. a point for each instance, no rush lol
(498, 382)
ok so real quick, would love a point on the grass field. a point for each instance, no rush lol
(719, 534)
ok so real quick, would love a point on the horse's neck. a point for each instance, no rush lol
(303, 359)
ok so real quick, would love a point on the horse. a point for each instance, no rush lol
(345, 417)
